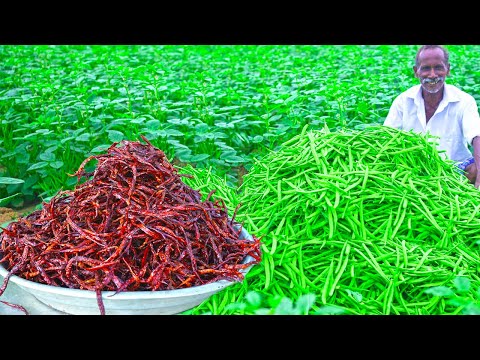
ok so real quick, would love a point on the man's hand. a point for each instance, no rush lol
(476, 157)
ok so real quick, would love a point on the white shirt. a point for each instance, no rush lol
(456, 120)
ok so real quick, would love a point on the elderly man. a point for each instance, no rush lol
(440, 109)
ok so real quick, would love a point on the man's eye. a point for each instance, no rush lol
(429, 68)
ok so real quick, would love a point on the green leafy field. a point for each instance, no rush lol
(219, 106)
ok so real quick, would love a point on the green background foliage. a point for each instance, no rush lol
(216, 106)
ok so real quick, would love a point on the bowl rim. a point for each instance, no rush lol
(127, 295)
(110, 294)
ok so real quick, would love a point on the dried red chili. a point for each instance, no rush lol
(15, 306)
(132, 225)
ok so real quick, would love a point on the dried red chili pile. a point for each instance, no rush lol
(131, 225)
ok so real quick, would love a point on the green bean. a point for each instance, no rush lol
(388, 295)
(470, 256)
(342, 252)
(387, 232)
(223, 303)
(279, 274)
(405, 257)
(295, 270)
(340, 272)
(319, 276)
(365, 178)
(474, 213)
(399, 221)
(269, 267)
(313, 149)
(279, 289)
(327, 283)
(372, 261)
(331, 223)
(380, 228)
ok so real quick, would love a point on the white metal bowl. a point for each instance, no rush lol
(160, 302)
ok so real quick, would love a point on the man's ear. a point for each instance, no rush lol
(448, 70)
(415, 70)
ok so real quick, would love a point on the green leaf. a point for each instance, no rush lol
(263, 311)
(38, 165)
(67, 139)
(462, 284)
(227, 153)
(291, 98)
(178, 121)
(71, 181)
(237, 306)
(17, 202)
(219, 135)
(304, 303)
(202, 127)
(47, 156)
(177, 145)
(183, 155)
(44, 131)
(228, 108)
(330, 310)
(22, 157)
(471, 309)
(234, 159)
(152, 124)
(224, 125)
(257, 139)
(84, 137)
(440, 291)
(9, 180)
(137, 121)
(78, 131)
(199, 157)
(254, 299)
(56, 164)
(6, 200)
(115, 136)
(173, 132)
(285, 307)
(356, 295)
(100, 148)
(154, 134)
(29, 182)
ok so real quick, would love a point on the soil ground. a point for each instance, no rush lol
(8, 214)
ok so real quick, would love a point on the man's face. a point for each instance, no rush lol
(432, 70)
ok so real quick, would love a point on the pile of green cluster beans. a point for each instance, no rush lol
(366, 220)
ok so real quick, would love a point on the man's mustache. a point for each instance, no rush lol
(432, 81)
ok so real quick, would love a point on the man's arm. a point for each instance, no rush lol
(395, 114)
(471, 131)
(476, 156)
